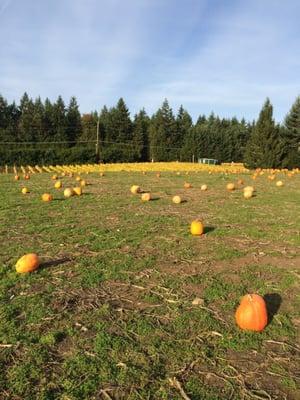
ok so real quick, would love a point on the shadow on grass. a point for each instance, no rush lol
(209, 229)
(53, 263)
(273, 302)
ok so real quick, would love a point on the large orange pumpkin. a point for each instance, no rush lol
(197, 228)
(251, 314)
(27, 263)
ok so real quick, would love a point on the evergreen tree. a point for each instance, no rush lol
(48, 121)
(290, 134)
(183, 125)
(73, 121)
(141, 136)
(162, 135)
(58, 121)
(26, 122)
(264, 148)
(38, 120)
(89, 126)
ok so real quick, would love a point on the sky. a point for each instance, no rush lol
(221, 56)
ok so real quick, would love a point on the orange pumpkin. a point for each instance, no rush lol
(27, 176)
(158, 175)
(54, 177)
(17, 177)
(135, 189)
(248, 194)
(230, 186)
(197, 228)
(68, 192)
(58, 185)
(27, 263)
(47, 197)
(176, 199)
(146, 197)
(251, 314)
(187, 185)
(77, 190)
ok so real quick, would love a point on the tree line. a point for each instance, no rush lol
(48, 132)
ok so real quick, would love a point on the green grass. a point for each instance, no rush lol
(113, 312)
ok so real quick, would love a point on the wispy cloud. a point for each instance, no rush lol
(205, 54)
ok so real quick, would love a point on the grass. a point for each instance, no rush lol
(109, 314)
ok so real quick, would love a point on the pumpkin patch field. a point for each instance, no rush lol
(123, 299)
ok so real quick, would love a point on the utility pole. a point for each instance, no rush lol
(97, 141)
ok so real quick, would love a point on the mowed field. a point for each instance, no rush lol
(111, 312)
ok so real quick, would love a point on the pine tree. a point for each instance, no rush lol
(59, 120)
(141, 136)
(89, 126)
(73, 121)
(26, 122)
(183, 125)
(38, 120)
(162, 135)
(290, 134)
(264, 148)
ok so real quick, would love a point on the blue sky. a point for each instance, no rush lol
(224, 56)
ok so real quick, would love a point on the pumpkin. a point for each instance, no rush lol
(146, 197)
(187, 185)
(27, 176)
(77, 190)
(249, 188)
(17, 177)
(176, 199)
(78, 179)
(68, 192)
(27, 263)
(203, 187)
(47, 197)
(158, 175)
(230, 186)
(248, 194)
(240, 182)
(25, 190)
(57, 184)
(252, 313)
(135, 189)
(83, 183)
(279, 183)
(54, 177)
(197, 228)
(101, 173)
